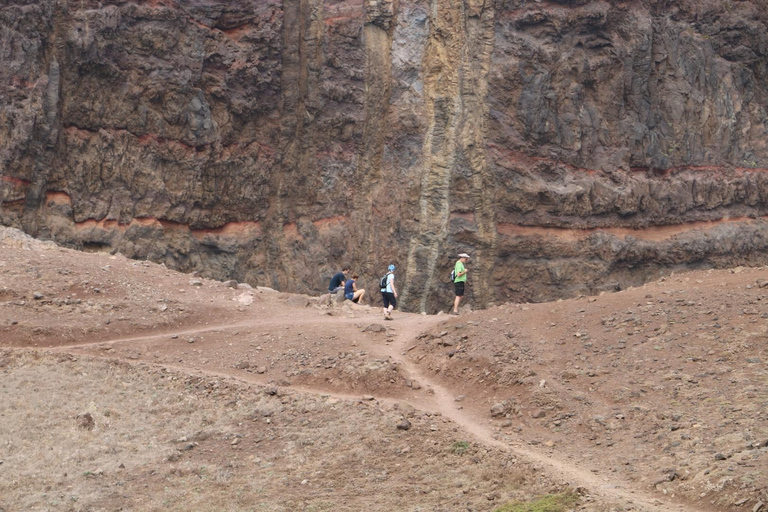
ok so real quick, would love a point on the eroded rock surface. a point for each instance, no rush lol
(571, 146)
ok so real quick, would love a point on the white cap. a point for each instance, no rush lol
(463, 255)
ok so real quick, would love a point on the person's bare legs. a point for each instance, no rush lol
(358, 297)
(456, 304)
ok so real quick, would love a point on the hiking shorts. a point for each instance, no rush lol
(458, 289)
(389, 299)
(349, 296)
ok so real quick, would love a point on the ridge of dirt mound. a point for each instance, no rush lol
(663, 385)
(14, 238)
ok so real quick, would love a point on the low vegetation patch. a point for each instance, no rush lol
(550, 503)
(459, 447)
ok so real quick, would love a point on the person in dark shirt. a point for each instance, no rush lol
(352, 292)
(337, 281)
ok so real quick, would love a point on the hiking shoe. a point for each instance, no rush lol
(387, 317)
(455, 313)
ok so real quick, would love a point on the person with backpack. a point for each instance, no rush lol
(337, 281)
(351, 292)
(388, 292)
(459, 279)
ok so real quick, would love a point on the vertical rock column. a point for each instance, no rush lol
(476, 64)
(441, 91)
(377, 37)
(45, 134)
(455, 71)
(302, 53)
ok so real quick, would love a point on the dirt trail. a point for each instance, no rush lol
(441, 400)
(643, 397)
(165, 332)
(444, 401)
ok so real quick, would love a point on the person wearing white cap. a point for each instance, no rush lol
(460, 271)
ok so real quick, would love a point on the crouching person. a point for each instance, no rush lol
(337, 281)
(352, 292)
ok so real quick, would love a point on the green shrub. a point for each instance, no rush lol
(549, 503)
(459, 447)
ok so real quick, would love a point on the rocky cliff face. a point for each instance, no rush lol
(571, 145)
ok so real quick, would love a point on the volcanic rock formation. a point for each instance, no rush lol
(571, 146)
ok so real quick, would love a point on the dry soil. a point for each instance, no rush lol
(128, 386)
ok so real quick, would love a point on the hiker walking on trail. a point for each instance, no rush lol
(351, 292)
(460, 271)
(388, 292)
(337, 281)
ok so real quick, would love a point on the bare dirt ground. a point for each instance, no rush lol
(127, 386)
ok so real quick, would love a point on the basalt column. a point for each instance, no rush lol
(455, 184)
(367, 247)
(46, 129)
(294, 185)
(480, 234)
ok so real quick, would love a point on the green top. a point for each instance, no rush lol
(457, 269)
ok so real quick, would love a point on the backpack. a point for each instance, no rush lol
(453, 275)
(383, 281)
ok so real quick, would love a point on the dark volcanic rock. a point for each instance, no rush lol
(571, 146)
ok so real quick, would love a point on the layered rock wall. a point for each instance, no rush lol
(571, 146)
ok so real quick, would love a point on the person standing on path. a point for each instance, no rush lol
(458, 283)
(389, 292)
(337, 281)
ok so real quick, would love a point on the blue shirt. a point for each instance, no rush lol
(348, 287)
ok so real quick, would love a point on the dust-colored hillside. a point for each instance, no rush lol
(125, 385)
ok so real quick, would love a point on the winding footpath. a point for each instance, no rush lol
(405, 329)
